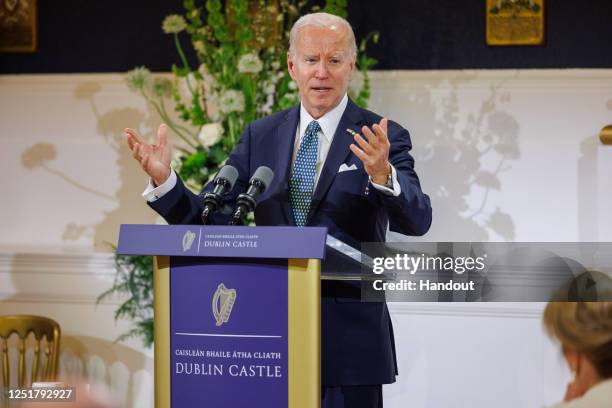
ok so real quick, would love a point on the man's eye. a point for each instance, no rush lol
(335, 61)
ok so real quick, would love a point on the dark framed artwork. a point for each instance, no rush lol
(515, 22)
(18, 25)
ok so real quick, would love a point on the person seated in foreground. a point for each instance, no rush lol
(584, 331)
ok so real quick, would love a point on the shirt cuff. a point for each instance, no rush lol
(153, 193)
(395, 191)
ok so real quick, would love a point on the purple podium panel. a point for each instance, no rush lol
(229, 328)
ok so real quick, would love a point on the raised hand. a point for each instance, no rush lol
(153, 158)
(375, 152)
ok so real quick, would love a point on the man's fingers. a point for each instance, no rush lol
(358, 152)
(136, 152)
(130, 141)
(145, 163)
(134, 135)
(161, 135)
(381, 135)
(371, 136)
(384, 124)
(363, 144)
(381, 132)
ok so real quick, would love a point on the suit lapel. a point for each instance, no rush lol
(338, 152)
(285, 139)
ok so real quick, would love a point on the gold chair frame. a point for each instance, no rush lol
(23, 325)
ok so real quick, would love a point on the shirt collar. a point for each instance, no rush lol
(328, 122)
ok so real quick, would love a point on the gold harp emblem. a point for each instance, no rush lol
(222, 303)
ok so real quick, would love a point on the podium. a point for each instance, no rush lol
(237, 313)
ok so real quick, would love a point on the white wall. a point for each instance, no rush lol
(505, 155)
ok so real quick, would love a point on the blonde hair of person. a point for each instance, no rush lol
(585, 327)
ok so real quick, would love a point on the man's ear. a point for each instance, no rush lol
(290, 66)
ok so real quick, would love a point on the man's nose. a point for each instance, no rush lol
(322, 71)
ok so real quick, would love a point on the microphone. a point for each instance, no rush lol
(224, 182)
(246, 203)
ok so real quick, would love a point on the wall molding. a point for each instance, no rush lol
(71, 278)
(61, 263)
(523, 310)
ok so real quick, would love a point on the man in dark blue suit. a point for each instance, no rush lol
(336, 165)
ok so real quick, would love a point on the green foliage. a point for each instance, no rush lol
(364, 64)
(336, 7)
(241, 49)
(134, 281)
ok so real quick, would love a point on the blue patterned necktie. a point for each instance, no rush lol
(301, 185)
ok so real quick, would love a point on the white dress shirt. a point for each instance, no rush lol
(328, 123)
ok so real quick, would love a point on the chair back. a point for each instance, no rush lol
(44, 362)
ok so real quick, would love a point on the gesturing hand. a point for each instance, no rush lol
(153, 158)
(375, 152)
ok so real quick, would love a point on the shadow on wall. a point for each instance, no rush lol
(99, 361)
(130, 208)
(461, 155)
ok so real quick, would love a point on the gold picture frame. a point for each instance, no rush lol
(515, 22)
(18, 25)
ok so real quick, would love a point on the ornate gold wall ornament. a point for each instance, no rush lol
(18, 25)
(515, 22)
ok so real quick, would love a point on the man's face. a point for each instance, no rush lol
(322, 67)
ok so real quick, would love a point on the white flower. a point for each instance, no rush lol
(210, 134)
(269, 89)
(199, 46)
(275, 65)
(174, 24)
(139, 79)
(292, 85)
(231, 101)
(249, 63)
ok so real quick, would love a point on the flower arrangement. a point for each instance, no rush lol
(241, 50)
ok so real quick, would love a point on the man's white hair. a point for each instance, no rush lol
(325, 20)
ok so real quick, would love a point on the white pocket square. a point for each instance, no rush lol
(344, 167)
